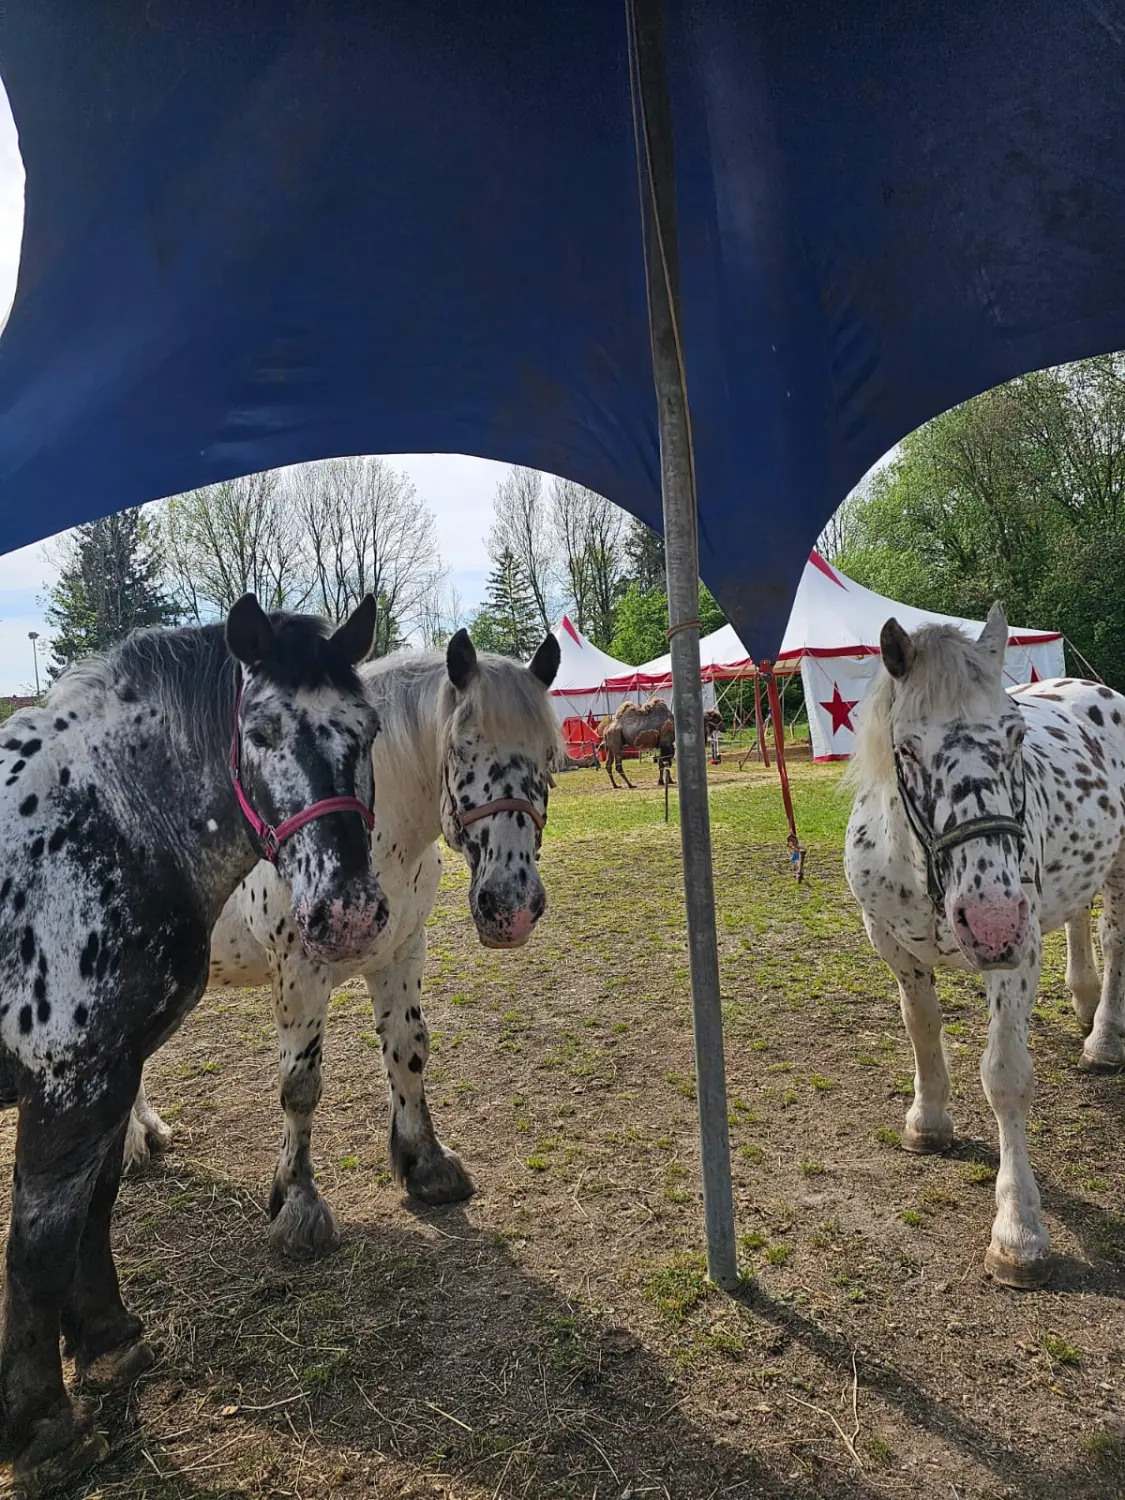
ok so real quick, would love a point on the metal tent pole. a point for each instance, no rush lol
(653, 122)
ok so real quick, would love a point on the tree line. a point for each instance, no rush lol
(316, 537)
(557, 547)
(320, 536)
(1017, 495)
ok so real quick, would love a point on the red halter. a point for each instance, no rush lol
(272, 837)
(486, 809)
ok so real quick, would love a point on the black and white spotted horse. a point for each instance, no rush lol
(983, 820)
(126, 821)
(466, 747)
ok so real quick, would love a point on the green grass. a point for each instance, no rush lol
(678, 1287)
(1060, 1351)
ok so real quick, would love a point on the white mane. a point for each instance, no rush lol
(947, 679)
(423, 714)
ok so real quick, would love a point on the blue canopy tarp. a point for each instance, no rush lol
(265, 231)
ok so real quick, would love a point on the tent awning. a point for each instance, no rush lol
(258, 234)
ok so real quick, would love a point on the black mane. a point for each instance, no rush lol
(189, 675)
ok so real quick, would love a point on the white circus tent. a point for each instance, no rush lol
(832, 639)
(579, 689)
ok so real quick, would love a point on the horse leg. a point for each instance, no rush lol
(1019, 1255)
(100, 1334)
(146, 1132)
(1105, 1046)
(929, 1126)
(1082, 979)
(303, 1225)
(424, 1167)
(58, 1162)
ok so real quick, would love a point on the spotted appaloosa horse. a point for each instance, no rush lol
(984, 819)
(121, 839)
(466, 747)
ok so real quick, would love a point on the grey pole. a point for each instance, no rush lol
(657, 189)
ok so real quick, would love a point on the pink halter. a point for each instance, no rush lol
(272, 837)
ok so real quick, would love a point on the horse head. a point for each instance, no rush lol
(501, 741)
(957, 738)
(301, 763)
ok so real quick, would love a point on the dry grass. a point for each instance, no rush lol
(557, 1337)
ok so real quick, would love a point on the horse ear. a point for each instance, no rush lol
(356, 635)
(897, 648)
(994, 636)
(545, 662)
(250, 635)
(461, 660)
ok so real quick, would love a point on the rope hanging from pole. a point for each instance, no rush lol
(763, 748)
(793, 842)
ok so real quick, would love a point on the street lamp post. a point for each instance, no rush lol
(33, 636)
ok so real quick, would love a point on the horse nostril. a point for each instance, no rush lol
(538, 906)
(486, 905)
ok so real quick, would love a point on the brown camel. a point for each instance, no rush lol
(649, 728)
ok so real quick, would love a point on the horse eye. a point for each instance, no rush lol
(1016, 733)
(908, 749)
(264, 737)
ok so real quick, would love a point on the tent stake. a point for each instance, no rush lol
(657, 186)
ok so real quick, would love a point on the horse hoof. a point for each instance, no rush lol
(927, 1142)
(32, 1479)
(1020, 1275)
(1091, 1063)
(160, 1135)
(118, 1368)
(303, 1227)
(439, 1179)
(136, 1146)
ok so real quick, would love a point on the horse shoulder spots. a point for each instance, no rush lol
(28, 805)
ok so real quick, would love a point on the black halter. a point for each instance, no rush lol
(938, 846)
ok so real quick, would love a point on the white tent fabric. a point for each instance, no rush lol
(833, 616)
(579, 688)
(833, 639)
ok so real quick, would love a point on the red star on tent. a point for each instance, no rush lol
(841, 710)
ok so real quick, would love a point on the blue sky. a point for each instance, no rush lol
(458, 490)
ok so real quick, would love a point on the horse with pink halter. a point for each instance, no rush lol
(984, 819)
(465, 749)
(122, 837)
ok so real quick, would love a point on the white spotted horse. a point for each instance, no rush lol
(132, 804)
(983, 820)
(466, 748)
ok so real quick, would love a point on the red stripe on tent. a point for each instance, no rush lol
(1013, 640)
(570, 630)
(818, 562)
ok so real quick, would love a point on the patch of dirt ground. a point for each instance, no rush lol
(556, 1336)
